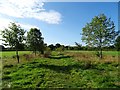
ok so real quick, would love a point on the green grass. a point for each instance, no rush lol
(12, 53)
(65, 73)
(115, 53)
(104, 52)
(61, 71)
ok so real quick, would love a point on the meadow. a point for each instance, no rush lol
(68, 69)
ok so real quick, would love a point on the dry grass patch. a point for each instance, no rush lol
(25, 58)
(91, 57)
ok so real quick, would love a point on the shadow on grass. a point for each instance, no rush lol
(65, 69)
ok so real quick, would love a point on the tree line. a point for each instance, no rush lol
(51, 47)
(98, 35)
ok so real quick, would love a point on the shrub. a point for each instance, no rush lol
(28, 56)
(47, 54)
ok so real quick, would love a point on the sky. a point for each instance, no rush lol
(59, 22)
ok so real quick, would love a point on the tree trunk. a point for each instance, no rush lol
(100, 52)
(17, 55)
(100, 46)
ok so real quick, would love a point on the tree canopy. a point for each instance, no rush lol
(99, 32)
(35, 40)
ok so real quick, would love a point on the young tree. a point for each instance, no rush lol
(99, 32)
(35, 40)
(117, 43)
(13, 36)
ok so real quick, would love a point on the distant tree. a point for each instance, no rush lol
(57, 45)
(117, 43)
(70, 48)
(99, 32)
(13, 36)
(35, 40)
(112, 47)
(52, 47)
(66, 47)
(45, 44)
(2, 48)
(79, 46)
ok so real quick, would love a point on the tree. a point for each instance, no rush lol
(57, 45)
(99, 32)
(79, 46)
(117, 43)
(35, 40)
(52, 47)
(13, 36)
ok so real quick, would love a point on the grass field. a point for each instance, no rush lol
(12, 53)
(78, 69)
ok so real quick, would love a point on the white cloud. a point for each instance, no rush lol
(51, 17)
(27, 26)
(4, 23)
(29, 9)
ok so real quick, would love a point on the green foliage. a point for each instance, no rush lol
(35, 40)
(14, 37)
(52, 47)
(117, 43)
(100, 32)
(57, 45)
(60, 49)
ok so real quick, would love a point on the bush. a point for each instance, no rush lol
(47, 54)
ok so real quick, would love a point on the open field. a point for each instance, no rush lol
(69, 69)
(12, 53)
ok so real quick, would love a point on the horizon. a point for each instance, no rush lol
(59, 22)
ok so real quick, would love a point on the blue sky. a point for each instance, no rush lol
(59, 22)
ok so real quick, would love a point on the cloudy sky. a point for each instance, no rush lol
(59, 22)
